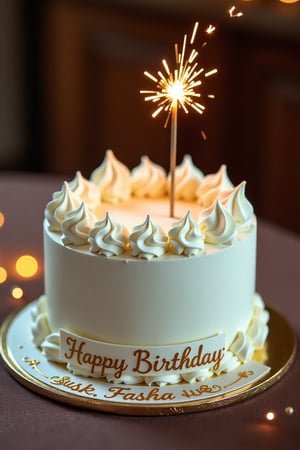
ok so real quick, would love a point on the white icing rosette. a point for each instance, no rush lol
(124, 379)
(212, 185)
(51, 347)
(242, 347)
(40, 326)
(238, 205)
(185, 237)
(62, 202)
(108, 238)
(162, 380)
(197, 375)
(86, 190)
(187, 180)
(218, 225)
(113, 179)
(257, 332)
(148, 240)
(228, 363)
(259, 310)
(77, 225)
(148, 180)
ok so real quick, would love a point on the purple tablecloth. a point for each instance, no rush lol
(30, 421)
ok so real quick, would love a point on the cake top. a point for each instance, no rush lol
(118, 210)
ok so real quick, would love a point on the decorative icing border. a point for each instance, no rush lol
(30, 368)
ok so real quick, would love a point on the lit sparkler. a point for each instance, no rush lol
(178, 89)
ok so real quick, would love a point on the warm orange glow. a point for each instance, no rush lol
(26, 266)
(288, 1)
(17, 293)
(2, 219)
(3, 275)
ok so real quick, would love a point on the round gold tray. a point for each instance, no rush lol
(28, 366)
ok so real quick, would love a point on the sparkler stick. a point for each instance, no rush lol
(176, 90)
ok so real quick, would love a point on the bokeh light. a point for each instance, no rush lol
(2, 219)
(26, 266)
(3, 275)
(270, 415)
(17, 293)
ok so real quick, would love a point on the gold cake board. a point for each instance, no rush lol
(28, 366)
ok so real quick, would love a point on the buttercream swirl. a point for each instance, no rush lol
(242, 347)
(148, 240)
(218, 225)
(238, 205)
(124, 379)
(113, 179)
(228, 363)
(108, 238)
(187, 180)
(40, 325)
(197, 375)
(77, 225)
(148, 179)
(259, 310)
(212, 185)
(257, 332)
(86, 190)
(185, 237)
(62, 202)
(162, 380)
(51, 347)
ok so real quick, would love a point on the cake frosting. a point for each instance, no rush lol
(121, 275)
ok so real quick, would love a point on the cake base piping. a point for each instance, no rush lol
(30, 368)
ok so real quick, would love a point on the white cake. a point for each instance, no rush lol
(168, 299)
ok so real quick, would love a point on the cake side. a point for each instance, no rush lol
(112, 279)
(124, 299)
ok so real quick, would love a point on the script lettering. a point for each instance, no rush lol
(73, 386)
(128, 395)
(145, 365)
(101, 363)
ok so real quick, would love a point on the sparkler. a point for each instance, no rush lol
(177, 89)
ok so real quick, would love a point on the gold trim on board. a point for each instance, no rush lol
(278, 353)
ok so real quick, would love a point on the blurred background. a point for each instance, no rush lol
(71, 72)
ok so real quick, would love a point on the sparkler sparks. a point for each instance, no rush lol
(178, 87)
(233, 13)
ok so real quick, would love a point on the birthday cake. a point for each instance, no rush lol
(133, 295)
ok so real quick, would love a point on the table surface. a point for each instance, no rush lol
(30, 421)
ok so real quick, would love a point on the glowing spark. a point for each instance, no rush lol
(177, 87)
(194, 33)
(233, 13)
(211, 72)
(203, 134)
(210, 29)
